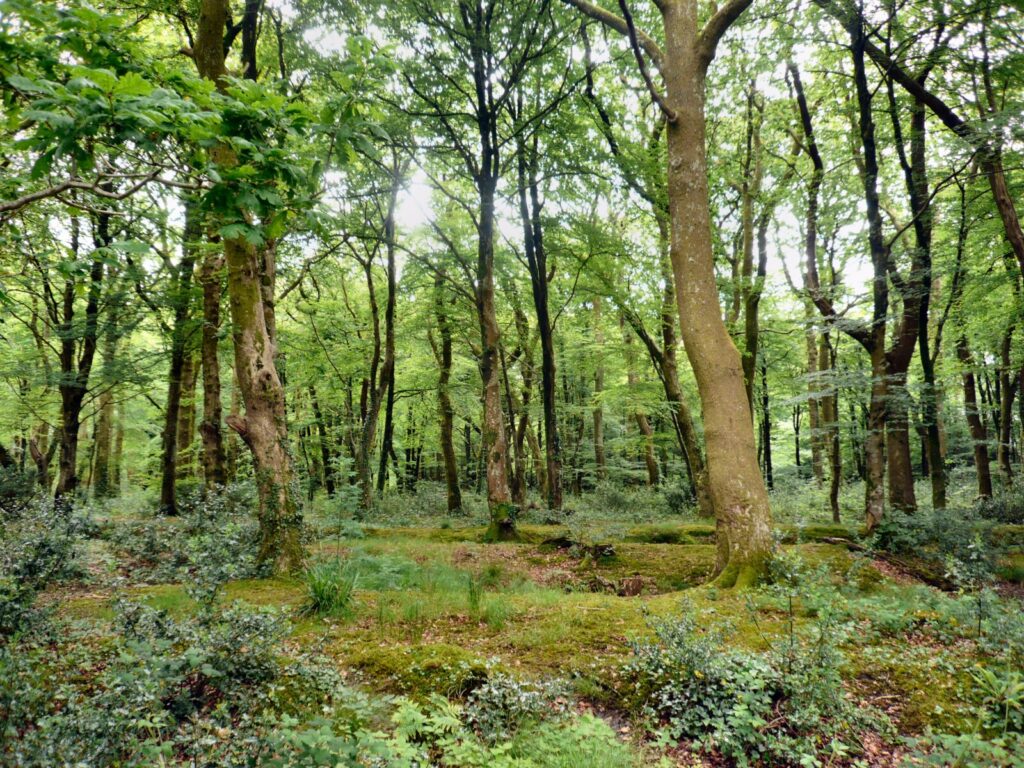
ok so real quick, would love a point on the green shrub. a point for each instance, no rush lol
(38, 545)
(965, 750)
(782, 708)
(500, 707)
(215, 531)
(1005, 506)
(18, 491)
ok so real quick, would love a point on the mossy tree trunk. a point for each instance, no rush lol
(210, 429)
(738, 493)
(737, 489)
(250, 273)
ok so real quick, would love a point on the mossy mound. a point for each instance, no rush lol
(670, 567)
(671, 533)
(420, 670)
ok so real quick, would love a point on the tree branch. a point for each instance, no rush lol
(619, 25)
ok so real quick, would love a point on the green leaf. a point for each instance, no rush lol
(130, 246)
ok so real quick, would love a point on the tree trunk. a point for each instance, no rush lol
(766, 426)
(444, 400)
(874, 442)
(326, 455)
(897, 442)
(210, 430)
(814, 402)
(642, 423)
(1007, 391)
(102, 486)
(495, 445)
(74, 382)
(381, 382)
(536, 259)
(263, 427)
(181, 301)
(601, 472)
(737, 488)
(979, 436)
(829, 421)
(41, 451)
(187, 416)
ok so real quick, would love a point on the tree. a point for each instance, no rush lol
(737, 489)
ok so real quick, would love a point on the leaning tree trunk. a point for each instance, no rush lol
(642, 423)
(737, 489)
(262, 427)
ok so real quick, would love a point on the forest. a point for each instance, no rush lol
(512, 383)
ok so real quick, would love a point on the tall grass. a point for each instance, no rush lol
(330, 589)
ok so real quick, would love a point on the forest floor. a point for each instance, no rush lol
(435, 611)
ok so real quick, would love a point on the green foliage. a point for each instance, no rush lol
(215, 531)
(330, 588)
(37, 547)
(966, 750)
(1005, 506)
(785, 708)
(437, 729)
(18, 489)
(499, 708)
(952, 539)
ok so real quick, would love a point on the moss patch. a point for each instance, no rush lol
(420, 670)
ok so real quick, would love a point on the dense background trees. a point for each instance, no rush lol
(323, 217)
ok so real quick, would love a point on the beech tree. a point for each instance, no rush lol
(734, 480)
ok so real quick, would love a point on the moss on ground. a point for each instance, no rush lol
(419, 627)
(419, 670)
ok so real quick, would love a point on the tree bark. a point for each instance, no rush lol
(829, 416)
(495, 445)
(536, 259)
(1007, 391)
(102, 486)
(250, 280)
(979, 436)
(737, 488)
(445, 410)
(814, 400)
(326, 455)
(181, 301)
(74, 381)
(210, 429)
(601, 472)
(187, 416)
(766, 427)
